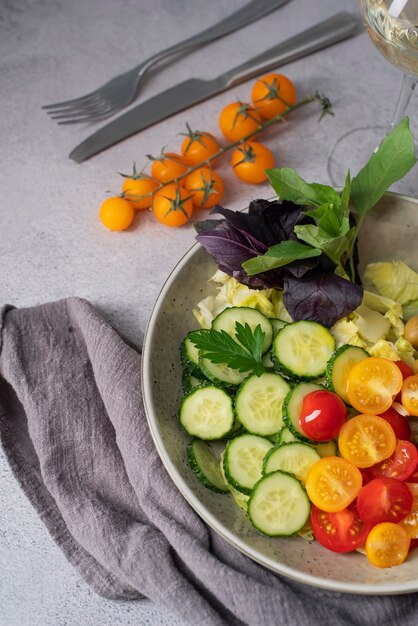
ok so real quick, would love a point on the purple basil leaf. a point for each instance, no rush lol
(299, 268)
(228, 246)
(321, 297)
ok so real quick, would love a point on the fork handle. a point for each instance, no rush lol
(325, 33)
(251, 12)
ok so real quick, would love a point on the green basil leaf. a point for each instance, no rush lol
(391, 161)
(333, 247)
(279, 255)
(289, 185)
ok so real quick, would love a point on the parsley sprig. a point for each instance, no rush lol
(245, 354)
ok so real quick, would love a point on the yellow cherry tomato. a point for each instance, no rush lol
(116, 213)
(250, 161)
(372, 384)
(172, 205)
(237, 120)
(333, 483)
(387, 544)
(365, 440)
(134, 188)
(410, 522)
(198, 146)
(273, 94)
(410, 395)
(167, 167)
(206, 187)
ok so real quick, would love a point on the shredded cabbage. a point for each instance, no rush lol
(394, 280)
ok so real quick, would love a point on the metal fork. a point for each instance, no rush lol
(121, 90)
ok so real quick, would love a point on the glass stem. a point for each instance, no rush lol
(408, 85)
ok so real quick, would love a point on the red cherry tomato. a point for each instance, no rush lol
(384, 500)
(323, 414)
(399, 423)
(413, 544)
(414, 477)
(406, 371)
(344, 531)
(401, 465)
(365, 472)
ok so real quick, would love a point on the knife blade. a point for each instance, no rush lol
(195, 90)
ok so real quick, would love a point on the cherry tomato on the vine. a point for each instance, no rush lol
(198, 146)
(273, 94)
(410, 394)
(134, 188)
(323, 413)
(172, 205)
(366, 440)
(238, 119)
(343, 531)
(387, 544)
(384, 500)
(167, 167)
(401, 465)
(250, 160)
(399, 423)
(116, 213)
(206, 187)
(372, 385)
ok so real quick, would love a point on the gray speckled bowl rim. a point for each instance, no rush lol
(196, 504)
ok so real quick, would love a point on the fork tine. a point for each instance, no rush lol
(91, 100)
(71, 103)
(86, 118)
(92, 113)
(90, 108)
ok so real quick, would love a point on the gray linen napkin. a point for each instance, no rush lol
(73, 428)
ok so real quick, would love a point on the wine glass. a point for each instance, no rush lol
(393, 28)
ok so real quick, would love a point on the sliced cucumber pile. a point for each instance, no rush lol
(301, 350)
(243, 461)
(206, 466)
(294, 457)
(279, 505)
(339, 367)
(259, 401)
(207, 412)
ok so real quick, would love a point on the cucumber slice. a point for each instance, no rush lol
(285, 435)
(292, 407)
(259, 401)
(207, 412)
(190, 357)
(277, 325)
(244, 315)
(240, 498)
(267, 360)
(189, 382)
(339, 367)
(206, 466)
(328, 448)
(243, 461)
(302, 350)
(295, 458)
(279, 505)
(220, 373)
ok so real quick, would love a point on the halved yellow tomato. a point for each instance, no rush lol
(372, 384)
(387, 544)
(410, 395)
(410, 523)
(366, 440)
(333, 483)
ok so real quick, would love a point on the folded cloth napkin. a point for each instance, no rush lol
(73, 429)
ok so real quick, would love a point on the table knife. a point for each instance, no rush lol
(194, 90)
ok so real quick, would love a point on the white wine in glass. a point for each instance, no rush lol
(393, 28)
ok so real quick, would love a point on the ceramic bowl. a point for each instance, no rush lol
(388, 234)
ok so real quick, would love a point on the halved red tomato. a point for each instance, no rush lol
(401, 465)
(344, 531)
(399, 423)
(384, 500)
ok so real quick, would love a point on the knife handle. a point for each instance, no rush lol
(334, 29)
(252, 11)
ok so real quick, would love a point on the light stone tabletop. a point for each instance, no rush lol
(51, 242)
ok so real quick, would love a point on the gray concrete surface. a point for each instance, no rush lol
(51, 242)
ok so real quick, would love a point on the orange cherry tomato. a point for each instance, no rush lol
(333, 483)
(172, 205)
(238, 119)
(250, 161)
(198, 146)
(116, 213)
(273, 94)
(366, 440)
(167, 167)
(387, 544)
(409, 395)
(410, 523)
(372, 384)
(134, 188)
(206, 187)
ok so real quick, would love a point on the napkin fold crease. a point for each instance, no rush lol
(74, 431)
